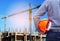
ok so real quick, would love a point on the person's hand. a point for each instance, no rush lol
(47, 29)
(49, 26)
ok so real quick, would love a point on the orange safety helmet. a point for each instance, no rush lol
(43, 24)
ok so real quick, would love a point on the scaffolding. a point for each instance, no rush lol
(23, 37)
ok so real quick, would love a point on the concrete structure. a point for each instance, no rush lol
(22, 37)
(0, 36)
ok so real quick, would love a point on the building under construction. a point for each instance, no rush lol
(21, 37)
(18, 36)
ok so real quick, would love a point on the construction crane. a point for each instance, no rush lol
(30, 15)
(30, 20)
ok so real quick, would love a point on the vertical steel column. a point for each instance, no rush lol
(30, 19)
(5, 23)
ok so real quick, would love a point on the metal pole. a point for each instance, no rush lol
(5, 23)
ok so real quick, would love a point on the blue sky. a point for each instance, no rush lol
(8, 7)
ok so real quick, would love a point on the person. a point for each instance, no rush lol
(52, 7)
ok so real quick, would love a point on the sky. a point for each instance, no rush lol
(21, 20)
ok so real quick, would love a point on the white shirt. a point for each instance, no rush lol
(53, 9)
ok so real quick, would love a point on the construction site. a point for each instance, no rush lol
(19, 36)
(16, 36)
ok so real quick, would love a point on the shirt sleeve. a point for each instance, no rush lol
(41, 11)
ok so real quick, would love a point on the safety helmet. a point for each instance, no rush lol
(43, 24)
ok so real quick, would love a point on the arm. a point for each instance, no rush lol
(41, 11)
